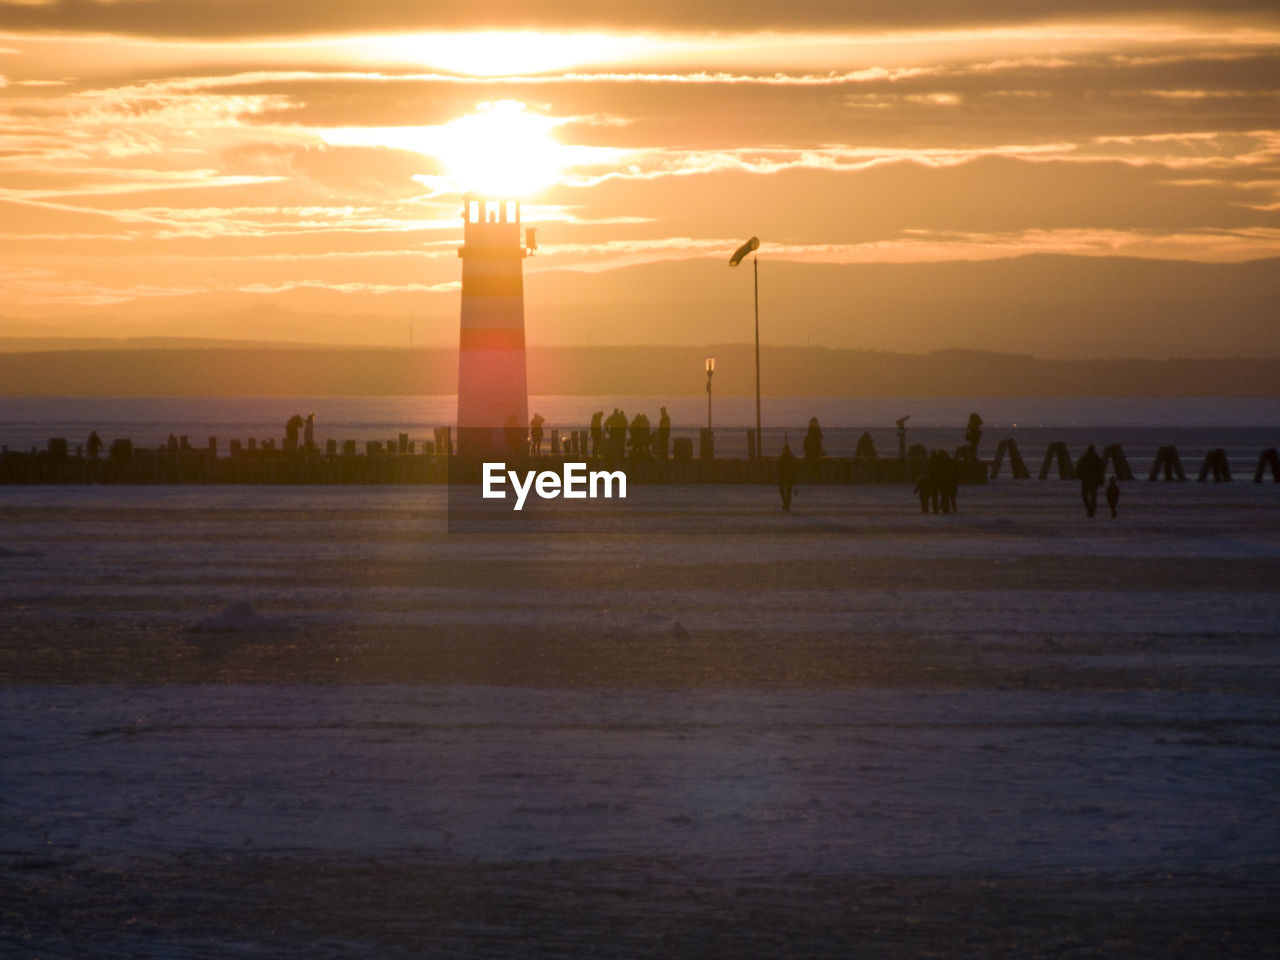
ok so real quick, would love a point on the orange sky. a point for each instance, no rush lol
(196, 149)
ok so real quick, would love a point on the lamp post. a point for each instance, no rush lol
(710, 363)
(750, 247)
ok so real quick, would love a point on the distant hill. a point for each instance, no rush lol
(617, 371)
(44, 344)
(1052, 306)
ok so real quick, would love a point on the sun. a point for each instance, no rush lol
(501, 150)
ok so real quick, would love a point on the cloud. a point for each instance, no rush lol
(244, 18)
(231, 164)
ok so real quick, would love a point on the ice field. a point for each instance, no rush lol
(308, 722)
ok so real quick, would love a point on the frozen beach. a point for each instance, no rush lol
(308, 722)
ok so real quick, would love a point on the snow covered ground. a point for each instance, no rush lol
(308, 722)
(751, 782)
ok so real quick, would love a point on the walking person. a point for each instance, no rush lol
(1090, 471)
(924, 489)
(949, 482)
(788, 474)
(1113, 495)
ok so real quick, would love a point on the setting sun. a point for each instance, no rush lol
(503, 150)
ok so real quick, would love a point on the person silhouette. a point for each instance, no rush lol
(924, 489)
(1090, 471)
(1113, 495)
(514, 438)
(291, 428)
(309, 432)
(813, 451)
(641, 436)
(943, 482)
(788, 474)
(950, 482)
(662, 437)
(973, 435)
(94, 444)
(617, 427)
(535, 434)
(597, 432)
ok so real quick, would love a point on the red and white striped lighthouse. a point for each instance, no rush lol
(492, 390)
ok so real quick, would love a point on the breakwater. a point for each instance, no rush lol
(402, 461)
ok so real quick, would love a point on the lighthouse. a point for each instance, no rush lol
(493, 399)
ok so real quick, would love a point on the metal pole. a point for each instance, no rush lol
(755, 271)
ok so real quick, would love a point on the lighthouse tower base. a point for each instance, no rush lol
(493, 400)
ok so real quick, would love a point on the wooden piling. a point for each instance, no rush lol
(1215, 461)
(1058, 452)
(1114, 455)
(1010, 447)
(1168, 461)
(1271, 458)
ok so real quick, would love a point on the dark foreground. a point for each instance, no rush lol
(851, 731)
(201, 905)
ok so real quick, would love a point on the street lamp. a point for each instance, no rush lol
(750, 247)
(710, 363)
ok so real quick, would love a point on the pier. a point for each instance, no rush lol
(400, 460)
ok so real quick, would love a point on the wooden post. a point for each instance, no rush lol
(1216, 461)
(1269, 457)
(1119, 462)
(1009, 446)
(706, 444)
(1058, 451)
(1168, 460)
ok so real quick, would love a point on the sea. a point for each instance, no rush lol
(1243, 426)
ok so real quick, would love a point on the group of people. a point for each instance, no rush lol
(613, 438)
(616, 438)
(298, 423)
(939, 480)
(1090, 469)
(939, 483)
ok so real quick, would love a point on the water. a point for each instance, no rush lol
(1243, 426)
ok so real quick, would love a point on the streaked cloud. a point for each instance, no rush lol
(142, 140)
(245, 18)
